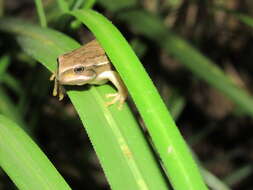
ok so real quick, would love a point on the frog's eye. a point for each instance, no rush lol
(79, 69)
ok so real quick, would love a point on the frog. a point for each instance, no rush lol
(88, 64)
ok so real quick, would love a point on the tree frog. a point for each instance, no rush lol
(88, 65)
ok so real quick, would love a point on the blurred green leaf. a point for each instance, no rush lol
(114, 6)
(173, 3)
(152, 27)
(239, 174)
(12, 83)
(24, 162)
(6, 78)
(41, 13)
(213, 182)
(4, 63)
(139, 47)
(88, 4)
(77, 4)
(244, 18)
(2, 8)
(8, 108)
(176, 104)
(64, 6)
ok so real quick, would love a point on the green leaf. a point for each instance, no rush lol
(169, 143)
(113, 6)
(41, 13)
(12, 83)
(88, 4)
(24, 162)
(244, 18)
(214, 182)
(8, 108)
(6, 78)
(152, 27)
(238, 175)
(63, 5)
(4, 63)
(115, 135)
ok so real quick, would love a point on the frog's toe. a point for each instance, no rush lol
(111, 95)
(121, 102)
(52, 77)
(114, 100)
(61, 92)
(61, 96)
(117, 98)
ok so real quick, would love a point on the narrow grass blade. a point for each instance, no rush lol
(77, 4)
(4, 63)
(6, 78)
(176, 104)
(8, 108)
(114, 6)
(88, 4)
(41, 13)
(63, 5)
(244, 18)
(120, 145)
(239, 175)
(13, 84)
(176, 158)
(153, 28)
(214, 182)
(2, 3)
(24, 162)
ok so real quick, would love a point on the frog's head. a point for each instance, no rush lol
(71, 72)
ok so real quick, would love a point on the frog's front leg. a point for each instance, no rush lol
(57, 87)
(121, 95)
(52, 77)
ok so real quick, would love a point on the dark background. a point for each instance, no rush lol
(218, 132)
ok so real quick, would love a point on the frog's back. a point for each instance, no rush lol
(89, 54)
(88, 51)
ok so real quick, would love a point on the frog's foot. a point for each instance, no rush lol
(52, 77)
(58, 89)
(61, 92)
(117, 97)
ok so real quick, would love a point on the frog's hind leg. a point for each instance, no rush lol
(116, 98)
(115, 79)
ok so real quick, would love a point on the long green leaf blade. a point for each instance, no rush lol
(8, 108)
(41, 13)
(4, 63)
(152, 27)
(24, 162)
(169, 143)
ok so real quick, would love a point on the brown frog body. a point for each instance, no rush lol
(88, 65)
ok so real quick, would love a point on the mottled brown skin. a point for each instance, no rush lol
(88, 65)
